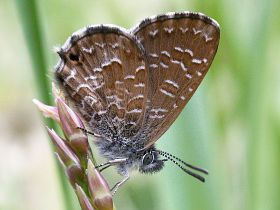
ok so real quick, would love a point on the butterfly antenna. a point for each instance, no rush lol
(185, 163)
(173, 159)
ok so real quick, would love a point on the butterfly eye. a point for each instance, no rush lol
(148, 158)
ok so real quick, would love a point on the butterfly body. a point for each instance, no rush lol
(131, 154)
(130, 85)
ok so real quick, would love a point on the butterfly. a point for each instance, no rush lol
(129, 86)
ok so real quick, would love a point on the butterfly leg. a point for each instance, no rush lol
(103, 166)
(102, 169)
(118, 184)
(88, 132)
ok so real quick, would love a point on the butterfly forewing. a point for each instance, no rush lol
(179, 48)
(104, 74)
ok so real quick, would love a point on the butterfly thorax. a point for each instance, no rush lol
(145, 160)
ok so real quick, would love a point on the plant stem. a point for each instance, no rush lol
(31, 25)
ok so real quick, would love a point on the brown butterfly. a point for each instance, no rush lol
(130, 85)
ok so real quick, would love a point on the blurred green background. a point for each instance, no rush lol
(231, 126)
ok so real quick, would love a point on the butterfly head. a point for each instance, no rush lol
(150, 162)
